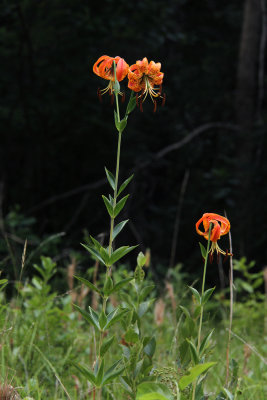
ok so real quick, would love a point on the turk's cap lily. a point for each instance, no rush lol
(104, 67)
(143, 76)
(220, 227)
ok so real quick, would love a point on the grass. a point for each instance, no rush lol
(41, 335)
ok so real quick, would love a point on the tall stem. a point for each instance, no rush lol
(115, 190)
(202, 307)
(117, 164)
(203, 289)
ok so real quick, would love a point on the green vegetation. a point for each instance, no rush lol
(42, 337)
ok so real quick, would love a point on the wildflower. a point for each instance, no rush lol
(104, 68)
(143, 77)
(221, 226)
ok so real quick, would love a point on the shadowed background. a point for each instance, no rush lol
(203, 152)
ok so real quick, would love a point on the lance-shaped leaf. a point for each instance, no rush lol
(102, 320)
(109, 206)
(125, 183)
(108, 286)
(100, 374)
(106, 345)
(115, 316)
(123, 123)
(118, 228)
(117, 122)
(94, 316)
(193, 352)
(150, 347)
(119, 253)
(194, 374)
(85, 372)
(120, 284)
(120, 206)
(145, 292)
(110, 178)
(87, 316)
(95, 243)
(228, 394)
(112, 373)
(105, 256)
(207, 295)
(185, 311)
(131, 104)
(138, 368)
(94, 252)
(205, 343)
(88, 284)
(126, 384)
(203, 250)
(143, 307)
(195, 294)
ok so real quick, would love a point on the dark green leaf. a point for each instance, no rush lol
(96, 243)
(106, 345)
(117, 122)
(85, 372)
(120, 205)
(94, 316)
(205, 343)
(109, 206)
(131, 336)
(123, 123)
(120, 284)
(207, 295)
(108, 286)
(193, 352)
(203, 250)
(150, 347)
(110, 178)
(118, 228)
(100, 374)
(88, 284)
(124, 184)
(131, 103)
(105, 256)
(94, 253)
(116, 317)
(102, 320)
(87, 316)
(145, 292)
(185, 311)
(119, 253)
(112, 373)
(195, 294)
(143, 307)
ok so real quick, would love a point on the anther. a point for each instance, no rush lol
(99, 95)
(163, 99)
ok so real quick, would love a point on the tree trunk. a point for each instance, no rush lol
(246, 104)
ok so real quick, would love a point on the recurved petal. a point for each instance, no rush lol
(98, 63)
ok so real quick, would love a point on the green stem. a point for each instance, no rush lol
(202, 307)
(117, 169)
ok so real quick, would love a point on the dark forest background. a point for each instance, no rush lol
(205, 151)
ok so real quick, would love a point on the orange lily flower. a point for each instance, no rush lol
(143, 76)
(104, 68)
(221, 226)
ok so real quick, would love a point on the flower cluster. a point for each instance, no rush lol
(143, 77)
